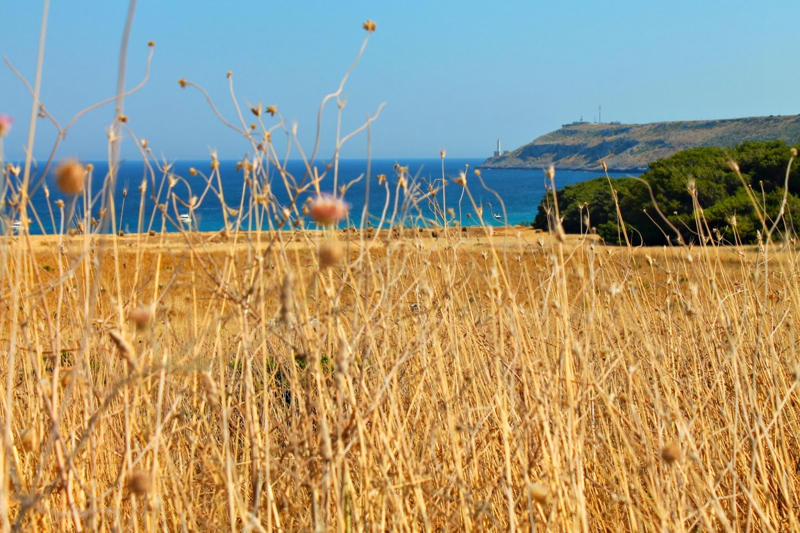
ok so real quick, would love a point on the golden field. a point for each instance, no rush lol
(405, 380)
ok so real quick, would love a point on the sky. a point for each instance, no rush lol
(454, 75)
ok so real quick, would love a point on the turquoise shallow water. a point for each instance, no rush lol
(514, 200)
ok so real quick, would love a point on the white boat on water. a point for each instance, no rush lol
(185, 218)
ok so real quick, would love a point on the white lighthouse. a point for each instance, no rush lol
(499, 150)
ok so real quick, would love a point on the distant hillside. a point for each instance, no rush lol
(630, 147)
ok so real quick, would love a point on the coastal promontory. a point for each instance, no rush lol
(630, 147)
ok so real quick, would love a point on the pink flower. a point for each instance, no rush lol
(328, 210)
(5, 124)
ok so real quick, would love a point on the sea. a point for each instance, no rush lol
(505, 196)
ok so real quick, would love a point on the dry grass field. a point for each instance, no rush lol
(471, 380)
(395, 380)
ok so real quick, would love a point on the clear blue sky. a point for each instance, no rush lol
(455, 75)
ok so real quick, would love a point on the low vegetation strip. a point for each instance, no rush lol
(729, 196)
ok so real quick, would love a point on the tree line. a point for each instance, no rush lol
(705, 193)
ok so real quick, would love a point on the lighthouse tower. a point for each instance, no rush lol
(499, 150)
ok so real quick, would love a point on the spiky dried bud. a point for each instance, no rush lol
(271, 109)
(192, 171)
(369, 25)
(13, 169)
(142, 316)
(71, 177)
(256, 110)
(123, 118)
(143, 143)
(381, 179)
(793, 151)
(330, 254)
(183, 83)
(461, 179)
(671, 452)
(67, 377)
(151, 44)
(139, 483)
(28, 439)
(733, 165)
(604, 166)
(442, 154)
(5, 124)
(550, 172)
(60, 203)
(327, 210)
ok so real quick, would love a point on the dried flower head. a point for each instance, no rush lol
(327, 210)
(256, 110)
(442, 154)
(369, 25)
(330, 254)
(271, 109)
(183, 83)
(604, 166)
(151, 44)
(793, 151)
(60, 203)
(139, 483)
(142, 315)
(71, 177)
(733, 165)
(550, 172)
(461, 179)
(5, 124)
(671, 452)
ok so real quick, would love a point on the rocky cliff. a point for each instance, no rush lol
(630, 147)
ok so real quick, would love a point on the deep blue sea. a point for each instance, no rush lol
(519, 192)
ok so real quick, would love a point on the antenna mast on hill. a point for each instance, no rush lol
(600, 114)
